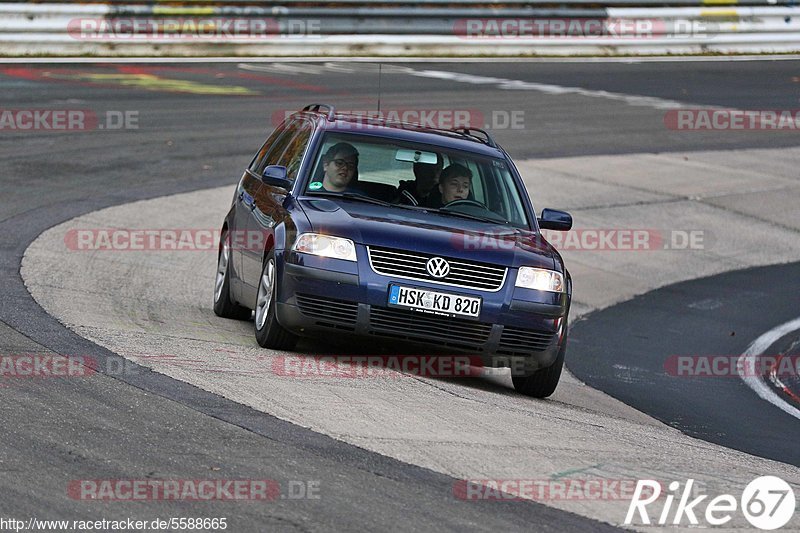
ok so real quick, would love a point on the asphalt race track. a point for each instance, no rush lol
(198, 125)
(717, 316)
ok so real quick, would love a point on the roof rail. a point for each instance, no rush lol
(318, 108)
(487, 138)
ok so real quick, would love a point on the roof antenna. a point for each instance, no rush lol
(380, 68)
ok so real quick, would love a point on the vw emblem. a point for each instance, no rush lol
(437, 267)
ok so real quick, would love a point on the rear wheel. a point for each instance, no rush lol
(223, 304)
(269, 333)
(543, 382)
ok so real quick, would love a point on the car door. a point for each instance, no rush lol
(262, 213)
(244, 200)
(270, 210)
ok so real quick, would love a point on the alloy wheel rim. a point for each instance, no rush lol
(265, 289)
(222, 269)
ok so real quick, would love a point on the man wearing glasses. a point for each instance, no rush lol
(340, 163)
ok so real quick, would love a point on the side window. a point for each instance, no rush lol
(295, 149)
(279, 146)
(275, 146)
(508, 204)
(258, 160)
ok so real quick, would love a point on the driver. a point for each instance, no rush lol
(454, 183)
(341, 165)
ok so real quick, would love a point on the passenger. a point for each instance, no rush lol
(454, 183)
(423, 189)
(340, 163)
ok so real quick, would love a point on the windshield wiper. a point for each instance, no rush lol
(370, 199)
(469, 216)
(376, 201)
(353, 196)
(364, 197)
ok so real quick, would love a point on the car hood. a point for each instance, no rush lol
(430, 233)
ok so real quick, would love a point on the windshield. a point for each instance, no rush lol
(416, 176)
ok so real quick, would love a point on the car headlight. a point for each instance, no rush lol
(325, 246)
(540, 279)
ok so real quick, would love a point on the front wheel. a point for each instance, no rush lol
(269, 333)
(543, 382)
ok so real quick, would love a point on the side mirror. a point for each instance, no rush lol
(276, 176)
(555, 220)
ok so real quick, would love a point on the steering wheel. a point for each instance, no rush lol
(456, 203)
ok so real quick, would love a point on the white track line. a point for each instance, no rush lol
(547, 88)
(520, 85)
(747, 360)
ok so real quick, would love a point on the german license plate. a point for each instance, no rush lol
(433, 302)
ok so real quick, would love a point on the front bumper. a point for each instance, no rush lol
(510, 332)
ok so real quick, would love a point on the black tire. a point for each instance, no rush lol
(543, 382)
(269, 333)
(224, 306)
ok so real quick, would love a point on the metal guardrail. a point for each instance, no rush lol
(384, 28)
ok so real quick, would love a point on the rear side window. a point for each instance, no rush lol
(260, 158)
(504, 197)
(275, 146)
(292, 156)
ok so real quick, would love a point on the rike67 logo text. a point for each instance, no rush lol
(767, 502)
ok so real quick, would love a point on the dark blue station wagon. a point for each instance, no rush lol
(395, 231)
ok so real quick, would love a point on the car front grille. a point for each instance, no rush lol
(410, 325)
(445, 331)
(412, 265)
(328, 312)
(518, 341)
